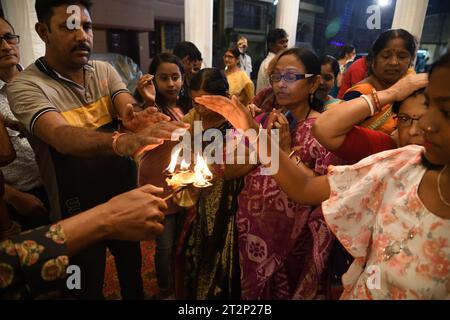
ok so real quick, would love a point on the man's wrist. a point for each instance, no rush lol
(101, 221)
(116, 146)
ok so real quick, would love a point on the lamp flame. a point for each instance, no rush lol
(173, 160)
(202, 173)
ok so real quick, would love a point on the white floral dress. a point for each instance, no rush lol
(401, 250)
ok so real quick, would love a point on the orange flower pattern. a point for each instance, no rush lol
(379, 195)
(6, 275)
(55, 268)
(28, 252)
(36, 254)
(56, 233)
(7, 246)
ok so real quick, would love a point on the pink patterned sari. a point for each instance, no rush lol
(283, 245)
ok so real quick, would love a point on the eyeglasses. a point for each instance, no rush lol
(289, 77)
(10, 38)
(404, 120)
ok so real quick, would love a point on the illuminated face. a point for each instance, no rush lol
(435, 123)
(168, 80)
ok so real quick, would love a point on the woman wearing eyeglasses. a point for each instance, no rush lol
(283, 244)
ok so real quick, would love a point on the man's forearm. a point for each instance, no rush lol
(83, 142)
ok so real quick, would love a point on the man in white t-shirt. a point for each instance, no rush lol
(277, 40)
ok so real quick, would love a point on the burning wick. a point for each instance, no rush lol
(199, 178)
(202, 173)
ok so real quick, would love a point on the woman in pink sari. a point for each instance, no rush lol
(284, 245)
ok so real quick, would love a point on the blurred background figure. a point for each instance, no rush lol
(277, 40)
(244, 58)
(240, 83)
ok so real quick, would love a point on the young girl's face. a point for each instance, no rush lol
(168, 81)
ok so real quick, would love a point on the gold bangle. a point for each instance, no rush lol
(115, 137)
(376, 100)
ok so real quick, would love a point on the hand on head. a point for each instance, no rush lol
(408, 85)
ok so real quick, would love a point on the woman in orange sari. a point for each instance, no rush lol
(393, 54)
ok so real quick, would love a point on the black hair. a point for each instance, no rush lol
(184, 100)
(443, 61)
(383, 39)
(211, 80)
(346, 50)
(397, 104)
(234, 51)
(324, 60)
(9, 23)
(312, 65)
(187, 49)
(275, 35)
(44, 8)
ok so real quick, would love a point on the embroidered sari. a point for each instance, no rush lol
(284, 245)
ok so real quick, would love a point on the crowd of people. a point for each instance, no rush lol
(359, 207)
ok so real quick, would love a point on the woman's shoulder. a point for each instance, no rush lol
(363, 87)
(396, 161)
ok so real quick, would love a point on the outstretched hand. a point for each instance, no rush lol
(134, 145)
(137, 121)
(232, 110)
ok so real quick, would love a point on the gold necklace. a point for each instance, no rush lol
(439, 187)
